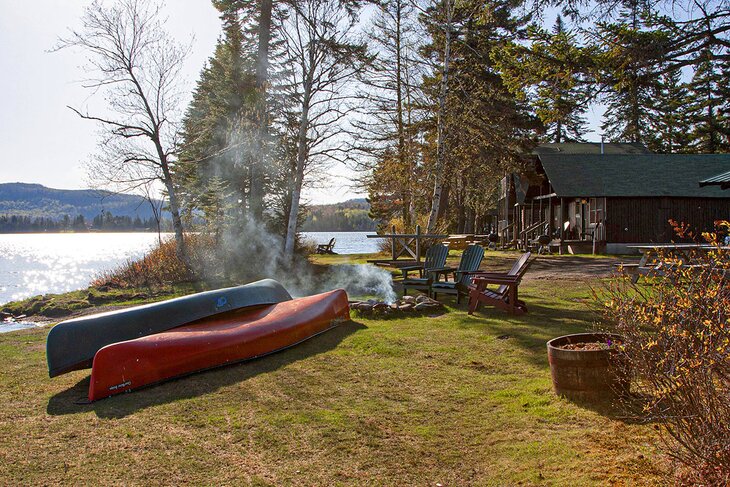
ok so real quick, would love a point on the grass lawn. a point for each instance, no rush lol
(450, 400)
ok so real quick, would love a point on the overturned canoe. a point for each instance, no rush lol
(72, 344)
(213, 342)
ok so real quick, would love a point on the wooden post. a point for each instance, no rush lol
(418, 243)
(392, 242)
(551, 218)
(595, 242)
(562, 223)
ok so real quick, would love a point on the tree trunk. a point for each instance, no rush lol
(296, 190)
(440, 126)
(444, 203)
(402, 157)
(175, 212)
(258, 159)
(409, 152)
(461, 219)
(469, 224)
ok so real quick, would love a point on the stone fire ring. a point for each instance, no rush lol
(404, 305)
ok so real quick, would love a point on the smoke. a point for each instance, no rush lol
(362, 280)
(251, 252)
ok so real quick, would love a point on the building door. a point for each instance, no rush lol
(582, 210)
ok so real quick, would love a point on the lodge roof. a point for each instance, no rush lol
(591, 148)
(634, 175)
(722, 180)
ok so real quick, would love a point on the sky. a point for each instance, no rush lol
(41, 140)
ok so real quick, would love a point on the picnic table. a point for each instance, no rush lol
(647, 264)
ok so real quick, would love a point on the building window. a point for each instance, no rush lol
(597, 210)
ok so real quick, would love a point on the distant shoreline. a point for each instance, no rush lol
(164, 232)
(40, 232)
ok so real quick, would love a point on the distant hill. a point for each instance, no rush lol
(37, 201)
(347, 216)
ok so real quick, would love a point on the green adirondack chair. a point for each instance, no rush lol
(470, 261)
(435, 259)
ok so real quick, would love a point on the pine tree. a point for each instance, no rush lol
(670, 125)
(626, 62)
(555, 69)
(707, 86)
(218, 129)
(723, 90)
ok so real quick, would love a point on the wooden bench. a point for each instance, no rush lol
(629, 266)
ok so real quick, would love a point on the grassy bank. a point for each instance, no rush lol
(57, 306)
(455, 400)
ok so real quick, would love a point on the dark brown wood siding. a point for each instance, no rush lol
(645, 220)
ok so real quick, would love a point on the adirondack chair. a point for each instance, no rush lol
(435, 259)
(469, 263)
(505, 296)
(327, 248)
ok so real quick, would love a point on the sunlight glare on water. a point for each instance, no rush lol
(39, 263)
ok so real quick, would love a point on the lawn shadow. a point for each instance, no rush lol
(628, 409)
(71, 400)
(544, 321)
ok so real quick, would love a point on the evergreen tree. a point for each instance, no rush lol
(555, 69)
(670, 125)
(79, 223)
(708, 87)
(218, 130)
(723, 90)
(629, 53)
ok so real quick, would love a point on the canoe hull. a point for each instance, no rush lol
(213, 342)
(72, 344)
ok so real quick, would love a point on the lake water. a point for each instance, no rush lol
(38, 263)
(346, 242)
(32, 264)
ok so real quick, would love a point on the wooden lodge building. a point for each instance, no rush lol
(602, 197)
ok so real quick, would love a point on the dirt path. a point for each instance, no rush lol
(574, 267)
(557, 267)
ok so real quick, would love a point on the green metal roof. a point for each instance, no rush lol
(722, 180)
(636, 175)
(591, 148)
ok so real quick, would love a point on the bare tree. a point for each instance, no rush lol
(391, 90)
(322, 59)
(135, 65)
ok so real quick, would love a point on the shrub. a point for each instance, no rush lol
(306, 246)
(677, 330)
(161, 266)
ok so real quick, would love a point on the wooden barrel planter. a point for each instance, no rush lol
(588, 375)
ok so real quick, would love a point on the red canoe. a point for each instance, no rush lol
(213, 342)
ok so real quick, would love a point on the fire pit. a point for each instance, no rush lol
(420, 304)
